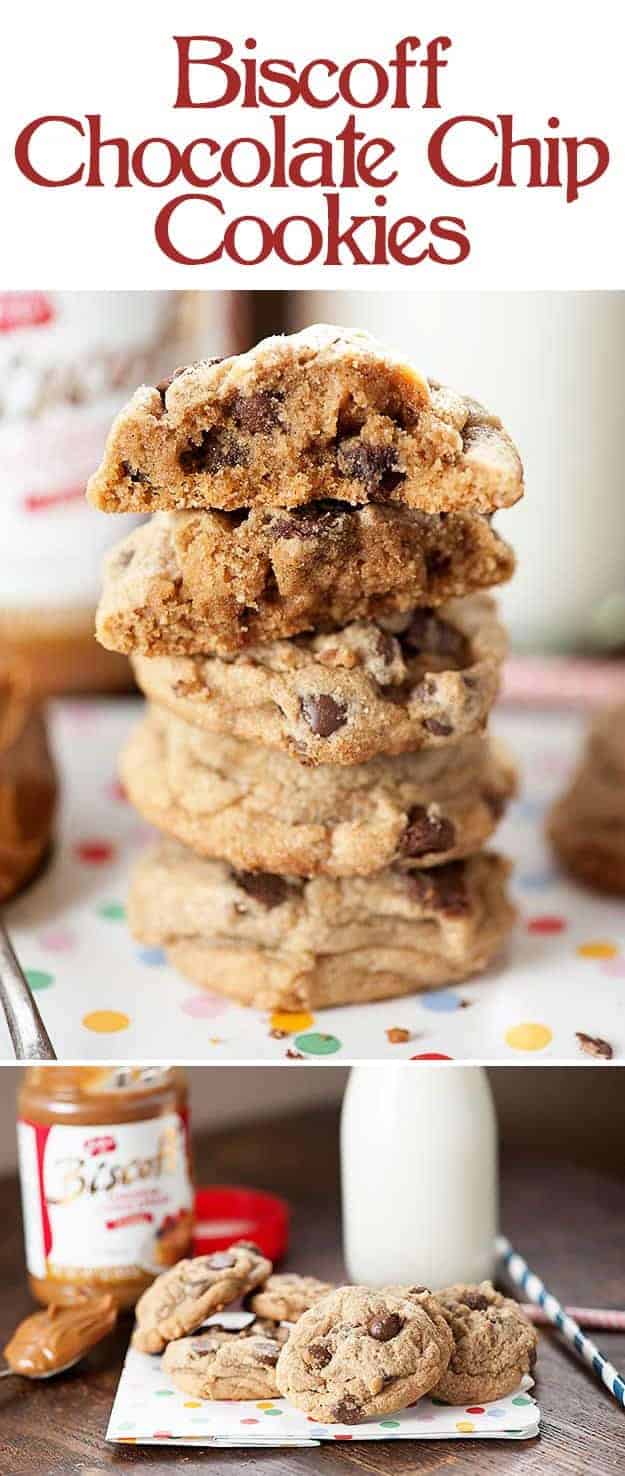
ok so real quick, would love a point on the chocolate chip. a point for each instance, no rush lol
(217, 449)
(438, 728)
(428, 635)
(269, 1353)
(475, 1301)
(259, 413)
(221, 1260)
(426, 832)
(437, 562)
(264, 887)
(311, 521)
(375, 466)
(319, 1354)
(593, 1045)
(384, 1327)
(347, 1411)
(323, 714)
(443, 889)
(163, 384)
(134, 474)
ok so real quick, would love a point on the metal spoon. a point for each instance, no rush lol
(29, 1037)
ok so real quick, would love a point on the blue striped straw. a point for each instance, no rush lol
(535, 1291)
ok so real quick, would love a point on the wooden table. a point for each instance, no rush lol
(567, 1219)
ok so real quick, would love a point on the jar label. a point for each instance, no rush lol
(108, 1199)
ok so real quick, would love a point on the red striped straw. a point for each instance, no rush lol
(605, 1318)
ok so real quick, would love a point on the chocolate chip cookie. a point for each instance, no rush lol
(286, 1296)
(265, 811)
(218, 1364)
(323, 413)
(183, 1297)
(216, 582)
(410, 681)
(359, 1353)
(494, 1345)
(587, 824)
(285, 943)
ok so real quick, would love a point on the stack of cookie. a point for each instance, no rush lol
(341, 1354)
(307, 616)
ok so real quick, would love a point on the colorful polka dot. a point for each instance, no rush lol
(537, 881)
(39, 979)
(521, 1399)
(273, 1411)
(57, 940)
(431, 1056)
(442, 1001)
(163, 1393)
(465, 1427)
(112, 911)
(204, 1006)
(153, 957)
(546, 924)
(106, 1022)
(528, 1036)
(389, 1424)
(476, 1409)
(94, 852)
(250, 1422)
(290, 1021)
(597, 949)
(318, 1045)
(192, 1404)
(264, 1404)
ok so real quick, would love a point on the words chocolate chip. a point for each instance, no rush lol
(323, 714)
(384, 1327)
(426, 832)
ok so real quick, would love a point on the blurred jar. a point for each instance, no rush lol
(106, 1178)
(68, 362)
(551, 364)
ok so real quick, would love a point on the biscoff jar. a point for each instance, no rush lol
(68, 362)
(106, 1179)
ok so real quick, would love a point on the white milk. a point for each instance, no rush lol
(419, 1173)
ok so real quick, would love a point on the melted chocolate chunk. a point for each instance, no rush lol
(437, 562)
(375, 466)
(425, 832)
(134, 474)
(217, 449)
(163, 384)
(384, 1327)
(386, 647)
(259, 413)
(311, 521)
(264, 887)
(475, 1301)
(319, 1355)
(323, 714)
(268, 1354)
(347, 1411)
(428, 635)
(443, 889)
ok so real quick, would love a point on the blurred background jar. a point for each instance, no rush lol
(552, 365)
(68, 362)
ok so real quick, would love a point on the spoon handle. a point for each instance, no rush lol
(8, 1373)
(29, 1037)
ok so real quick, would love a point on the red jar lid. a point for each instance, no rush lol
(224, 1214)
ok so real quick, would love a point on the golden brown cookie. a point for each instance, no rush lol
(184, 1296)
(188, 583)
(494, 1345)
(586, 826)
(359, 1353)
(220, 1364)
(284, 943)
(411, 681)
(261, 810)
(286, 1296)
(323, 413)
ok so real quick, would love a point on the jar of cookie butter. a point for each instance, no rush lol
(106, 1178)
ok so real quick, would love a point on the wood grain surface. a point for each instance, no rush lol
(566, 1217)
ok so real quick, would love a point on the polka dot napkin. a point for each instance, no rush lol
(104, 996)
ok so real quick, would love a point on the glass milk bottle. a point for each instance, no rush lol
(419, 1175)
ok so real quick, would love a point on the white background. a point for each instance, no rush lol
(533, 60)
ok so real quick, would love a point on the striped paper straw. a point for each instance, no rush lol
(606, 1318)
(535, 1291)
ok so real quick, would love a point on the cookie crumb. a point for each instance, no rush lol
(397, 1035)
(593, 1045)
